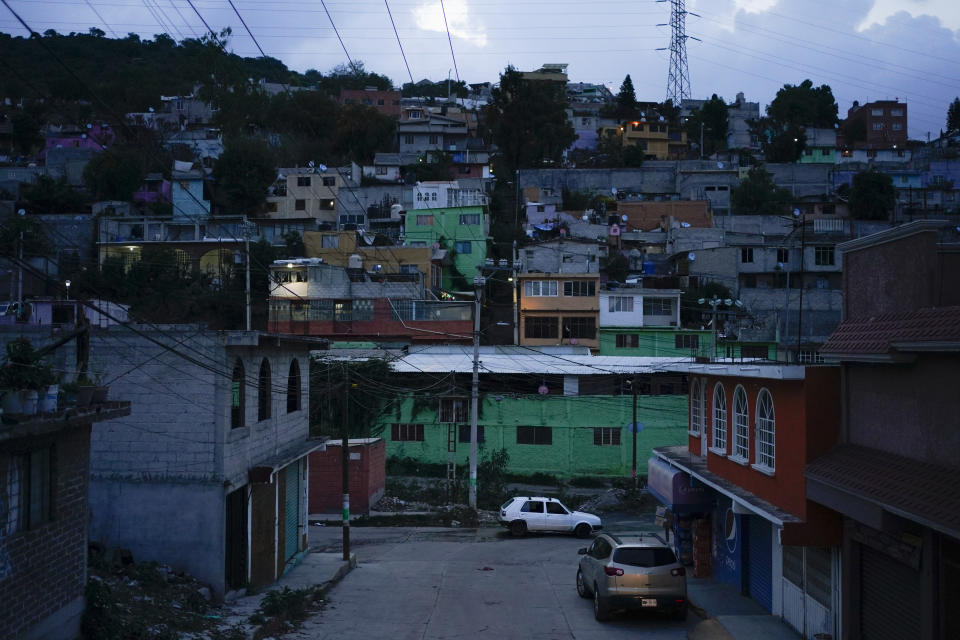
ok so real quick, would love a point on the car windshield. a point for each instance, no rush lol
(507, 503)
(644, 556)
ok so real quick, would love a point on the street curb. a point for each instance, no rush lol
(700, 611)
(345, 567)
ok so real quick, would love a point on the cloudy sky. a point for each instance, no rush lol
(864, 49)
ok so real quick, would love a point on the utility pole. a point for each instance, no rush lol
(634, 429)
(345, 467)
(246, 243)
(478, 283)
(20, 275)
(516, 308)
(803, 229)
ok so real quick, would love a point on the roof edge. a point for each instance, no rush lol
(889, 235)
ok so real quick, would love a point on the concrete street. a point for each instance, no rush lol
(427, 583)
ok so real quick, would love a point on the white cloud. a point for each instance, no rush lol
(948, 11)
(429, 17)
(754, 6)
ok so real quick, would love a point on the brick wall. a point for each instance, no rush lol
(42, 570)
(367, 477)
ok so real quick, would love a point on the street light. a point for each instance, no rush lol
(68, 288)
(714, 302)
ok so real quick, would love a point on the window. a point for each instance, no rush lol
(303, 181)
(557, 508)
(464, 433)
(746, 254)
(657, 307)
(416, 115)
(741, 425)
(579, 288)
(753, 351)
(329, 181)
(535, 435)
(293, 387)
(28, 491)
(464, 246)
(454, 409)
(823, 256)
(263, 391)
(434, 138)
(766, 431)
(425, 221)
(806, 356)
(637, 127)
(539, 288)
(696, 407)
(783, 256)
(541, 208)
(897, 126)
(686, 341)
(237, 396)
(300, 204)
(361, 310)
(628, 340)
(897, 113)
(539, 327)
(408, 139)
(823, 283)
(878, 126)
(272, 207)
(532, 506)
(621, 304)
(719, 420)
(330, 242)
(876, 112)
(606, 436)
(381, 171)
(433, 196)
(406, 432)
(470, 218)
(579, 327)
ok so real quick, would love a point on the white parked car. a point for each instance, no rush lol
(522, 514)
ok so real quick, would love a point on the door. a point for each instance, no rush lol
(532, 513)
(557, 518)
(760, 560)
(889, 597)
(236, 539)
(291, 511)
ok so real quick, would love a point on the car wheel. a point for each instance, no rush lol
(601, 610)
(581, 585)
(583, 530)
(518, 528)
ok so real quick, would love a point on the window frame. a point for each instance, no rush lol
(463, 434)
(264, 391)
(606, 436)
(696, 407)
(238, 399)
(741, 426)
(619, 304)
(406, 432)
(824, 256)
(718, 423)
(586, 327)
(746, 255)
(537, 322)
(765, 447)
(303, 181)
(537, 435)
(627, 341)
(552, 287)
(453, 409)
(579, 288)
(294, 387)
(654, 306)
(689, 341)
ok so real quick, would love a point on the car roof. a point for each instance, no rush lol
(641, 539)
(536, 498)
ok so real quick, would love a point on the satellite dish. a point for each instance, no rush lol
(661, 118)
(585, 218)
(691, 256)
(624, 217)
(322, 167)
(21, 212)
(150, 109)
(83, 136)
(310, 164)
(89, 126)
(613, 190)
(643, 114)
(796, 212)
(719, 165)
(685, 225)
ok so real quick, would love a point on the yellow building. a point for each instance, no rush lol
(336, 247)
(655, 137)
(559, 308)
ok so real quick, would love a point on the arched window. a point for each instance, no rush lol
(719, 419)
(293, 387)
(741, 425)
(263, 391)
(766, 431)
(238, 403)
(696, 408)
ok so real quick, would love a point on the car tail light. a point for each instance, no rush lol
(613, 571)
(678, 572)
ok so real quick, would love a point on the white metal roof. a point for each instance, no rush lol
(740, 369)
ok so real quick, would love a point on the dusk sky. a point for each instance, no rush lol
(864, 49)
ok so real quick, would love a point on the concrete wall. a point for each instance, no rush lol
(572, 418)
(43, 569)
(562, 257)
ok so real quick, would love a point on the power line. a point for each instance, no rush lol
(244, 23)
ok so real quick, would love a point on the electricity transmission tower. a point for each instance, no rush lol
(678, 78)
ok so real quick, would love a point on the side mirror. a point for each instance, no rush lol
(582, 551)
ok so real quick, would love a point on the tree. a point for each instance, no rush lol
(114, 174)
(361, 132)
(794, 108)
(757, 194)
(953, 116)
(627, 107)
(46, 195)
(712, 117)
(527, 121)
(243, 172)
(872, 195)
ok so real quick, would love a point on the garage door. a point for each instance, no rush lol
(760, 561)
(889, 597)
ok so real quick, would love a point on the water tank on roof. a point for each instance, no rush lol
(355, 262)
(395, 210)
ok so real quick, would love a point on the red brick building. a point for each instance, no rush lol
(753, 429)
(386, 102)
(875, 125)
(44, 480)
(367, 476)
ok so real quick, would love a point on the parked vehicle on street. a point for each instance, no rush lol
(523, 514)
(632, 571)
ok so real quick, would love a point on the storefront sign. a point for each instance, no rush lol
(673, 487)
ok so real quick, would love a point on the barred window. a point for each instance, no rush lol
(686, 341)
(454, 409)
(578, 327)
(606, 436)
(406, 432)
(470, 218)
(362, 309)
(539, 327)
(535, 435)
(766, 431)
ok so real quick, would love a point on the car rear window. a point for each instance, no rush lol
(507, 503)
(644, 556)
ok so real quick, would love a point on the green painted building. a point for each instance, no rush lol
(461, 232)
(554, 410)
(655, 341)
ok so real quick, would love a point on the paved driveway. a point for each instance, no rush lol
(426, 583)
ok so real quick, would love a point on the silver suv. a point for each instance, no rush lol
(632, 571)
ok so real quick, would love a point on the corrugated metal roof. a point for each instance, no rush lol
(532, 361)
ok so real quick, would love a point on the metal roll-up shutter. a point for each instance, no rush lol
(889, 597)
(760, 560)
(291, 510)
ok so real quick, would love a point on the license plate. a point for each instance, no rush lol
(648, 602)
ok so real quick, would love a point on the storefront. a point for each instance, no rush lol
(686, 499)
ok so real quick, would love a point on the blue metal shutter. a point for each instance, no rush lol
(760, 560)
(291, 510)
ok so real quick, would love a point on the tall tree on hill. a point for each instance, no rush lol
(872, 195)
(527, 121)
(794, 108)
(758, 194)
(243, 172)
(710, 120)
(953, 116)
(627, 107)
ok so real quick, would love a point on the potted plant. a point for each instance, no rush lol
(23, 377)
(84, 390)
